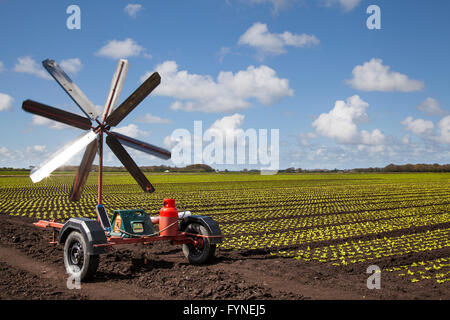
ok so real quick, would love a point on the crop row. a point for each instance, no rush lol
(362, 251)
(301, 222)
(222, 209)
(437, 270)
(329, 233)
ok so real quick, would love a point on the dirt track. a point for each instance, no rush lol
(33, 269)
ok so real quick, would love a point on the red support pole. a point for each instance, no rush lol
(100, 168)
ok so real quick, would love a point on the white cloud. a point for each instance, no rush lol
(4, 152)
(71, 65)
(374, 76)
(29, 66)
(132, 9)
(341, 123)
(222, 53)
(306, 137)
(229, 126)
(405, 139)
(41, 121)
(2, 67)
(444, 130)
(259, 37)
(149, 118)
(223, 134)
(426, 129)
(229, 93)
(132, 131)
(116, 49)
(37, 148)
(277, 5)
(347, 5)
(23, 157)
(6, 102)
(431, 107)
(419, 126)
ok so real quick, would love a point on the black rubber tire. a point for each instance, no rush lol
(198, 255)
(83, 269)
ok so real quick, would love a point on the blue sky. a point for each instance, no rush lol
(342, 95)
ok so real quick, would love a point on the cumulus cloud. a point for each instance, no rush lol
(4, 152)
(41, 121)
(132, 9)
(277, 5)
(37, 148)
(230, 92)
(229, 127)
(259, 37)
(426, 129)
(6, 102)
(23, 157)
(30, 66)
(374, 76)
(405, 139)
(444, 130)
(73, 65)
(341, 123)
(346, 5)
(431, 107)
(306, 137)
(116, 49)
(149, 118)
(223, 51)
(225, 141)
(419, 126)
(132, 131)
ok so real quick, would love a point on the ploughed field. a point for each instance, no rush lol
(317, 232)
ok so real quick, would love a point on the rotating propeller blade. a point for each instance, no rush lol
(142, 146)
(116, 87)
(129, 164)
(55, 114)
(132, 101)
(62, 156)
(71, 88)
(83, 171)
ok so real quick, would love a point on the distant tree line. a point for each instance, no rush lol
(421, 167)
(389, 168)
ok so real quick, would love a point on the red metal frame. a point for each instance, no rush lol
(180, 238)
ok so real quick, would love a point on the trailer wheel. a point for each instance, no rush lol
(204, 250)
(77, 261)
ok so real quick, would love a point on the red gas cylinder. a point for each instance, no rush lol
(168, 220)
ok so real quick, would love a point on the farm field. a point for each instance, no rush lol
(288, 236)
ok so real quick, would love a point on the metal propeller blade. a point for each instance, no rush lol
(62, 156)
(55, 114)
(83, 171)
(132, 101)
(71, 88)
(117, 83)
(142, 146)
(129, 164)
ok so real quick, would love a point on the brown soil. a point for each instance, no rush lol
(32, 268)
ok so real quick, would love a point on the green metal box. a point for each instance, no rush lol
(131, 223)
